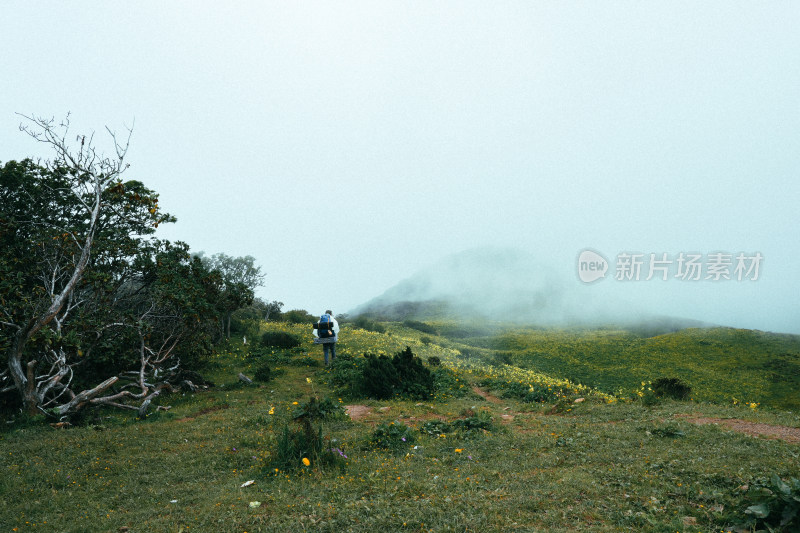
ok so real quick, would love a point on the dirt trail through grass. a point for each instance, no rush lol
(486, 396)
(785, 433)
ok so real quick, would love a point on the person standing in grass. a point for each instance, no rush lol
(326, 333)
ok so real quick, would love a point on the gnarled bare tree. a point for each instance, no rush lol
(81, 280)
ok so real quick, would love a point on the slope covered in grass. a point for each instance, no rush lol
(559, 465)
(720, 364)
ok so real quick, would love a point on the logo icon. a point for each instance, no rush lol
(591, 266)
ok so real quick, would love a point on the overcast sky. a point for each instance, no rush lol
(346, 145)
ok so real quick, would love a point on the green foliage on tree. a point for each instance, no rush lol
(299, 316)
(240, 278)
(93, 308)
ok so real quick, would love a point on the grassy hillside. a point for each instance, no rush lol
(579, 461)
(721, 364)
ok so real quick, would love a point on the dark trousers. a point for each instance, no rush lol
(326, 347)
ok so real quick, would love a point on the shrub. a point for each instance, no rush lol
(416, 381)
(671, 388)
(379, 378)
(279, 339)
(305, 442)
(434, 428)
(262, 373)
(434, 361)
(392, 436)
(382, 377)
(316, 409)
(480, 421)
(775, 504)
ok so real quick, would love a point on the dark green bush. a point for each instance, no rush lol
(279, 339)
(263, 373)
(382, 377)
(416, 381)
(671, 388)
(379, 377)
(434, 361)
(434, 428)
(243, 323)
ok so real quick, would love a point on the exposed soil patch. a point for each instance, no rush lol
(357, 412)
(785, 433)
(205, 411)
(485, 395)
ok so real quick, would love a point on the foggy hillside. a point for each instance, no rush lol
(506, 285)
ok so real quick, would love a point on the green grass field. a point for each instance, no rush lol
(603, 464)
(721, 364)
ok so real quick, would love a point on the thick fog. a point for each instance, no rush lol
(349, 146)
(511, 285)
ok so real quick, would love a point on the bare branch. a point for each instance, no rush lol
(85, 396)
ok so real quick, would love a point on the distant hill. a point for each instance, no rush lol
(509, 286)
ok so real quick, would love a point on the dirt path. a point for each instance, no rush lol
(486, 396)
(756, 429)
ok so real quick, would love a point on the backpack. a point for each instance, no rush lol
(324, 327)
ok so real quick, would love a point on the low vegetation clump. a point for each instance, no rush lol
(531, 392)
(394, 436)
(672, 388)
(263, 373)
(775, 504)
(302, 448)
(471, 424)
(316, 409)
(279, 339)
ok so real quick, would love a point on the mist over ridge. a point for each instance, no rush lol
(504, 284)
